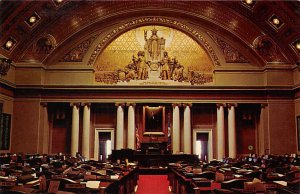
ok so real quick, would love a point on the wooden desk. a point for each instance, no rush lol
(182, 185)
(123, 185)
(198, 190)
(179, 183)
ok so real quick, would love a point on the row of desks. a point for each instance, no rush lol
(123, 184)
(181, 184)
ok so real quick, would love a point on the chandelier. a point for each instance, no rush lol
(4, 65)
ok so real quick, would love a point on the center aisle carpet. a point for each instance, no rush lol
(153, 184)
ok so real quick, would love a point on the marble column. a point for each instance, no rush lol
(187, 129)
(231, 131)
(131, 126)
(86, 130)
(220, 132)
(263, 135)
(120, 126)
(45, 129)
(176, 129)
(75, 129)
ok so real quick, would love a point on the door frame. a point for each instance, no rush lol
(210, 142)
(96, 141)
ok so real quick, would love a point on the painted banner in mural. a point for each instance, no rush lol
(154, 55)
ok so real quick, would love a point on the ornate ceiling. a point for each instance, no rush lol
(55, 31)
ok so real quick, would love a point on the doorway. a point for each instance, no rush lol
(104, 144)
(202, 146)
(202, 141)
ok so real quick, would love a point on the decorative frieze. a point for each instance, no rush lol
(77, 54)
(44, 45)
(231, 54)
(268, 50)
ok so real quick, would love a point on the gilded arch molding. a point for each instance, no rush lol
(153, 20)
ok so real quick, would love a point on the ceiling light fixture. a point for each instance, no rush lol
(275, 22)
(33, 19)
(9, 44)
(248, 3)
(57, 2)
(296, 45)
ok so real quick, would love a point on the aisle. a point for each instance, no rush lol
(153, 184)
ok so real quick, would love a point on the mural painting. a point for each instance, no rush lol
(154, 55)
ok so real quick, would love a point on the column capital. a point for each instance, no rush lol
(187, 104)
(122, 104)
(86, 104)
(44, 104)
(263, 105)
(229, 105)
(176, 104)
(220, 104)
(130, 104)
(77, 104)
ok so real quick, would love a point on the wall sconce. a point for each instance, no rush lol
(4, 65)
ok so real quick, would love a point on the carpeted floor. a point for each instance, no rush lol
(153, 184)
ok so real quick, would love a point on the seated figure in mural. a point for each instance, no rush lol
(165, 68)
(130, 71)
(178, 73)
(142, 67)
